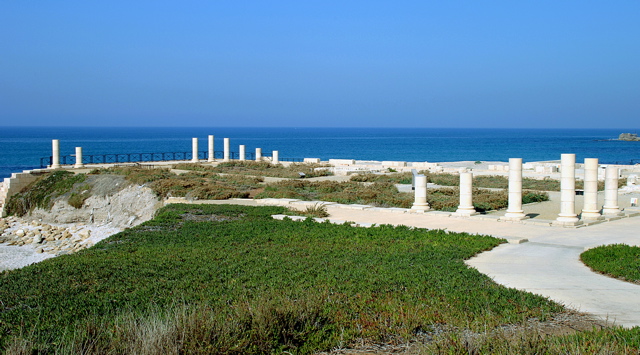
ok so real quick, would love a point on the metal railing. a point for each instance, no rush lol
(148, 157)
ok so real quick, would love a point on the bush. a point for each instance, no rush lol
(199, 183)
(261, 168)
(396, 178)
(383, 194)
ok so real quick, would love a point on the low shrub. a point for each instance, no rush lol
(136, 175)
(196, 184)
(396, 178)
(261, 168)
(383, 194)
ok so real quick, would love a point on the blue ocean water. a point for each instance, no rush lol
(22, 147)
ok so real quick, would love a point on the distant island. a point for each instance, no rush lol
(629, 137)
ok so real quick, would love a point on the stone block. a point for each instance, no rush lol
(394, 163)
(312, 160)
(342, 161)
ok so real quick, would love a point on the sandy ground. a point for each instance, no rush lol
(14, 257)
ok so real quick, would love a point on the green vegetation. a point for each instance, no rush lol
(76, 199)
(486, 181)
(378, 194)
(617, 260)
(136, 175)
(197, 184)
(42, 192)
(395, 178)
(385, 194)
(248, 167)
(606, 341)
(230, 279)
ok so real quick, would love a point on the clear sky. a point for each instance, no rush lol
(512, 64)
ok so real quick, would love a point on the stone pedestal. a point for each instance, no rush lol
(242, 153)
(275, 157)
(567, 213)
(420, 203)
(590, 209)
(611, 207)
(211, 156)
(194, 150)
(55, 154)
(514, 211)
(79, 163)
(466, 198)
(227, 150)
(258, 154)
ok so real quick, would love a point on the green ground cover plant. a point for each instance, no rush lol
(230, 279)
(42, 192)
(617, 260)
(249, 167)
(385, 194)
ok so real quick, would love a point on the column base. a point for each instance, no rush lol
(570, 220)
(55, 167)
(514, 215)
(464, 212)
(591, 215)
(78, 166)
(611, 211)
(420, 207)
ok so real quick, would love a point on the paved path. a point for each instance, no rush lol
(548, 264)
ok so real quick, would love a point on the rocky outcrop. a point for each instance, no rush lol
(45, 238)
(113, 205)
(631, 137)
(113, 202)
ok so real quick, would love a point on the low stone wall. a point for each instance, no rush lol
(13, 185)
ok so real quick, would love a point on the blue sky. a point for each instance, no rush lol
(511, 64)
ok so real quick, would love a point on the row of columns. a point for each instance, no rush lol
(275, 159)
(55, 153)
(514, 211)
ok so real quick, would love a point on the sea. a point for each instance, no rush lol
(22, 148)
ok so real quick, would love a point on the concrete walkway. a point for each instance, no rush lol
(539, 259)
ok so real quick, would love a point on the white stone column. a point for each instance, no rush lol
(211, 156)
(242, 152)
(194, 150)
(258, 154)
(590, 209)
(466, 198)
(420, 202)
(55, 154)
(227, 150)
(567, 189)
(514, 210)
(79, 158)
(611, 207)
(275, 157)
